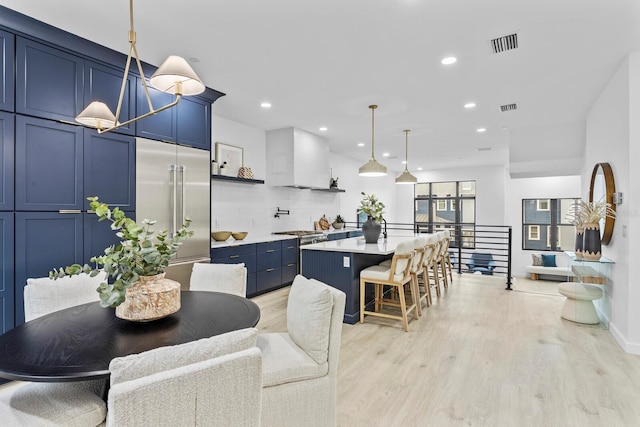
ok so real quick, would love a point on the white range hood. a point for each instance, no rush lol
(297, 158)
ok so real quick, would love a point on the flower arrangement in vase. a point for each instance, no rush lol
(586, 216)
(373, 208)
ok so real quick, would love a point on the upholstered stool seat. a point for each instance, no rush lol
(578, 307)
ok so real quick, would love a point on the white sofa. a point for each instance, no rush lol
(560, 271)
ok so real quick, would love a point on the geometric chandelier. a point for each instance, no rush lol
(175, 76)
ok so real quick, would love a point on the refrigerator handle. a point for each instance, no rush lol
(174, 194)
(183, 196)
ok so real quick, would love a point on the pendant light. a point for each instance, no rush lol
(372, 167)
(175, 76)
(406, 177)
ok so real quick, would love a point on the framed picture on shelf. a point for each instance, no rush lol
(232, 155)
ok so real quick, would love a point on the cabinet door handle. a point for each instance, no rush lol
(234, 256)
(270, 250)
(290, 265)
(270, 270)
(290, 247)
(69, 211)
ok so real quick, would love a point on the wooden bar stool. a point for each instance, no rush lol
(430, 248)
(396, 276)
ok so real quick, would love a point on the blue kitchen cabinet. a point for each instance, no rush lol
(6, 272)
(98, 235)
(290, 257)
(194, 123)
(355, 233)
(49, 172)
(110, 169)
(102, 83)
(7, 59)
(269, 266)
(161, 126)
(43, 241)
(6, 161)
(235, 255)
(49, 82)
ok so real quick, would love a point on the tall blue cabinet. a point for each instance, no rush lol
(50, 164)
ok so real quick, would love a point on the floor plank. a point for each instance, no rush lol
(480, 356)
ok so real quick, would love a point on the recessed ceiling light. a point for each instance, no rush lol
(404, 162)
(420, 168)
(265, 105)
(469, 105)
(323, 129)
(360, 144)
(449, 60)
(481, 130)
(385, 154)
(194, 60)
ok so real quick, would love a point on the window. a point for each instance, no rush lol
(447, 205)
(534, 232)
(544, 227)
(543, 204)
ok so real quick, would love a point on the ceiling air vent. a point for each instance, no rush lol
(505, 43)
(508, 107)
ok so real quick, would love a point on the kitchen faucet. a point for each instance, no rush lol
(384, 234)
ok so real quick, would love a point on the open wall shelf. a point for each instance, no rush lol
(236, 179)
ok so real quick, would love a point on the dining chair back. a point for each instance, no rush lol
(44, 295)
(227, 278)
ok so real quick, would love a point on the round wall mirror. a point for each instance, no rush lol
(601, 190)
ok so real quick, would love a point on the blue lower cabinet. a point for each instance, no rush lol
(289, 272)
(252, 283)
(43, 241)
(269, 279)
(355, 233)
(6, 272)
(290, 252)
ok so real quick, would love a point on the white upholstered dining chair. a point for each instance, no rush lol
(300, 366)
(55, 404)
(227, 278)
(212, 381)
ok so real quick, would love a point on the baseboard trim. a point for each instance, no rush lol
(628, 347)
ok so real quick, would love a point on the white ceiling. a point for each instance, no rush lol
(322, 62)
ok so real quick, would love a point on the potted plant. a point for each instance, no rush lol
(338, 222)
(373, 208)
(135, 266)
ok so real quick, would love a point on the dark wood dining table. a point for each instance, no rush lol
(77, 343)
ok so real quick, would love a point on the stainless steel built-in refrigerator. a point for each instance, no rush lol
(173, 182)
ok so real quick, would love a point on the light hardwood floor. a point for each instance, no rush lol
(480, 356)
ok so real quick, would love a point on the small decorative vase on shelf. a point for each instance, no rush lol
(371, 230)
(150, 298)
(579, 242)
(592, 245)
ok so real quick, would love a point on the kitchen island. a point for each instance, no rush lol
(339, 262)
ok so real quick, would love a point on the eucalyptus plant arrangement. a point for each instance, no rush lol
(371, 206)
(141, 252)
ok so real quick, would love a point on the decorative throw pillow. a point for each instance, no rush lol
(309, 317)
(537, 259)
(549, 261)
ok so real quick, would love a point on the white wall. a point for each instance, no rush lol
(613, 136)
(244, 207)
(535, 188)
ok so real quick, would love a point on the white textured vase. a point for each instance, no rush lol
(150, 298)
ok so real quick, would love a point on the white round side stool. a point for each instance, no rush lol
(578, 307)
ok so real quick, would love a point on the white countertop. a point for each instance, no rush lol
(251, 239)
(357, 245)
